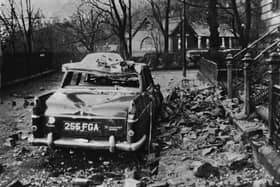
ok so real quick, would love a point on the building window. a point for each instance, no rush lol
(147, 44)
(275, 4)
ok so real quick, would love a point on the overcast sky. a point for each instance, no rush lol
(53, 7)
(60, 8)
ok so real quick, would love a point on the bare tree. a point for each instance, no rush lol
(130, 27)
(245, 19)
(162, 18)
(8, 19)
(28, 17)
(20, 18)
(86, 27)
(240, 13)
(116, 15)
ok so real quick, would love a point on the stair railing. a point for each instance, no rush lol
(271, 46)
(253, 44)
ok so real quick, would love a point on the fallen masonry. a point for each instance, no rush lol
(200, 146)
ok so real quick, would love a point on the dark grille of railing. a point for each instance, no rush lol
(275, 126)
(259, 50)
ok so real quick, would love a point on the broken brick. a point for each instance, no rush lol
(205, 170)
(158, 184)
(10, 142)
(132, 183)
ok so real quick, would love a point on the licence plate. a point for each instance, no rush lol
(81, 126)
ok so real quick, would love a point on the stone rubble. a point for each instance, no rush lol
(200, 147)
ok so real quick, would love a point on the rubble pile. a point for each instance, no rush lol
(200, 146)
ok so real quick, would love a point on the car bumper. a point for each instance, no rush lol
(110, 144)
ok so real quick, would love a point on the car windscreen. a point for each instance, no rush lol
(85, 79)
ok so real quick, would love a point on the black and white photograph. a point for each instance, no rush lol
(139, 93)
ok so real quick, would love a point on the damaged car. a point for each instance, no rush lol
(103, 103)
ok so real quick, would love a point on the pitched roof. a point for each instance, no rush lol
(202, 29)
(173, 24)
(142, 25)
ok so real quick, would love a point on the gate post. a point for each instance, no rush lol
(274, 63)
(247, 62)
(229, 59)
(1, 66)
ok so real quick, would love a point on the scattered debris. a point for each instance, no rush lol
(204, 142)
(131, 183)
(174, 182)
(106, 163)
(158, 184)
(15, 183)
(16, 136)
(207, 151)
(25, 103)
(81, 182)
(241, 164)
(10, 142)
(14, 103)
(1, 168)
(130, 173)
(205, 170)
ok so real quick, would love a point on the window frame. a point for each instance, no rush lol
(275, 5)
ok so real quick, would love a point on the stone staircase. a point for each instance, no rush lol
(257, 52)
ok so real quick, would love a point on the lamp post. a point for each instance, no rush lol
(130, 28)
(1, 57)
(184, 39)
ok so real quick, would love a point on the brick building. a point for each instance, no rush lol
(270, 14)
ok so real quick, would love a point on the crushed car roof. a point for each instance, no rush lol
(106, 63)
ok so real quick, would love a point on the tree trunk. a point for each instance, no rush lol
(213, 25)
(126, 52)
(248, 22)
(166, 32)
(123, 46)
(29, 43)
(130, 28)
(13, 43)
(244, 33)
